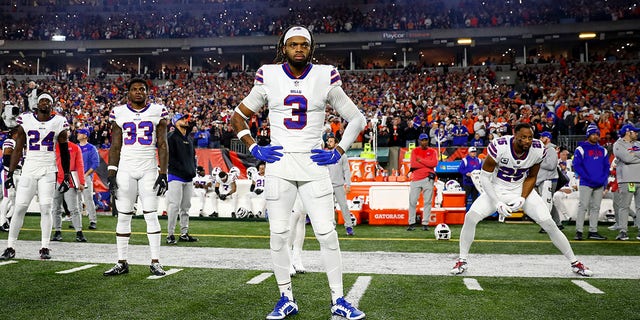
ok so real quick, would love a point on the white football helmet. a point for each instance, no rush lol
(215, 171)
(10, 114)
(442, 232)
(242, 213)
(452, 185)
(234, 171)
(252, 172)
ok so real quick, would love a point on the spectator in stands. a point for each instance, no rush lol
(460, 133)
(423, 163)
(476, 141)
(627, 152)
(548, 177)
(202, 138)
(215, 135)
(469, 164)
(591, 164)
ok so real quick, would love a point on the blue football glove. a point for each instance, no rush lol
(267, 153)
(325, 157)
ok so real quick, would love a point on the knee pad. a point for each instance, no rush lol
(547, 224)
(279, 240)
(472, 217)
(124, 223)
(328, 240)
(153, 225)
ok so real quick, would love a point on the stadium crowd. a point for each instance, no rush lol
(95, 20)
(452, 106)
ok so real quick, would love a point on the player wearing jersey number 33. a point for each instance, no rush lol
(296, 93)
(138, 129)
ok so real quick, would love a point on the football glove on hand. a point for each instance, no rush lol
(65, 184)
(223, 197)
(258, 191)
(113, 186)
(266, 153)
(8, 182)
(325, 157)
(504, 210)
(161, 184)
(516, 204)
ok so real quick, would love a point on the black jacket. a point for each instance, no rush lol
(182, 155)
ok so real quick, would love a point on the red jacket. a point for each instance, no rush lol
(75, 163)
(428, 162)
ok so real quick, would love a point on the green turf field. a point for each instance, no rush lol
(32, 290)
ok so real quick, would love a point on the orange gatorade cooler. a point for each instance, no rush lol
(369, 170)
(357, 169)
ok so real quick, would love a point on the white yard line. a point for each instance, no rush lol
(168, 272)
(587, 287)
(7, 262)
(86, 266)
(259, 278)
(472, 284)
(356, 293)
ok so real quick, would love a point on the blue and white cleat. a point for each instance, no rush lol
(344, 309)
(283, 308)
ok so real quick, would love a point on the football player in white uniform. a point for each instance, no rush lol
(37, 133)
(201, 186)
(7, 205)
(256, 194)
(508, 177)
(225, 190)
(297, 93)
(137, 130)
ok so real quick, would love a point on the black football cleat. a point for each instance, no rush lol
(119, 268)
(8, 254)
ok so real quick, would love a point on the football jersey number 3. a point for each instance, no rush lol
(36, 144)
(298, 106)
(130, 131)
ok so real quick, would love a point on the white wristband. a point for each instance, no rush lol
(252, 146)
(243, 133)
(238, 111)
(114, 168)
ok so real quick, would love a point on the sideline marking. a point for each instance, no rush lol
(86, 266)
(472, 284)
(169, 272)
(259, 278)
(356, 293)
(8, 262)
(587, 287)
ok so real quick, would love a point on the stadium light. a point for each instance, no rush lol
(465, 41)
(587, 35)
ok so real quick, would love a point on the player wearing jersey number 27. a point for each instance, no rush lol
(517, 160)
(296, 93)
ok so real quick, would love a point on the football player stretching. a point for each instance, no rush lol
(508, 177)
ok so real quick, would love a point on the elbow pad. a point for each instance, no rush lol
(217, 190)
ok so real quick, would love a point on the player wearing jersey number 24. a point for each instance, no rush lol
(296, 93)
